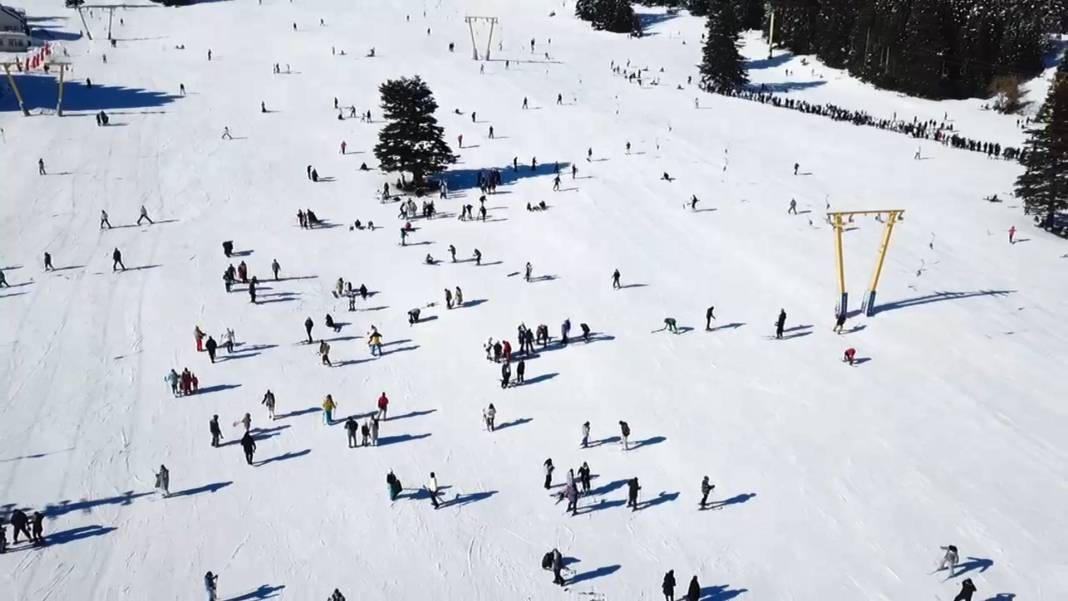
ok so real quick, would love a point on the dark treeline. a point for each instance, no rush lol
(931, 48)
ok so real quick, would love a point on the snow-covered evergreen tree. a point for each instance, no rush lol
(411, 141)
(722, 66)
(1044, 185)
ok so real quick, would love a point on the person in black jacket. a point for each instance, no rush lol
(18, 524)
(216, 431)
(506, 374)
(38, 528)
(624, 429)
(669, 586)
(116, 260)
(520, 369)
(693, 593)
(632, 493)
(352, 428)
(248, 444)
(967, 589)
(308, 323)
(709, 316)
(211, 345)
(779, 323)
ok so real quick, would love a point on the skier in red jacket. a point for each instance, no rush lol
(850, 355)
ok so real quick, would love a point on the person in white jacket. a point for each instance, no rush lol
(950, 559)
(432, 488)
(489, 414)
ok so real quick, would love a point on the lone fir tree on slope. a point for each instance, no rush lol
(412, 140)
(1044, 185)
(722, 66)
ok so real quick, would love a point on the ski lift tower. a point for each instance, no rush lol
(471, 22)
(62, 63)
(892, 216)
(111, 13)
(6, 64)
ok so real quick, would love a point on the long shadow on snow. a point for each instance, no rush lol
(412, 414)
(87, 505)
(973, 563)
(74, 534)
(258, 434)
(283, 457)
(265, 591)
(297, 412)
(648, 442)
(388, 440)
(461, 500)
(938, 297)
(39, 91)
(213, 487)
(721, 592)
(513, 423)
(663, 497)
(217, 388)
(591, 574)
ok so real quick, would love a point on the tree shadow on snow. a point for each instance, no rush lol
(466, 179)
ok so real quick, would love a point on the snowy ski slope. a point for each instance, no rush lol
(839, 483)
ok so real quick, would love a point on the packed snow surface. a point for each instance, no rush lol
(832, 482)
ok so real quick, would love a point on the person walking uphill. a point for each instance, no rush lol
(248, 445)
(116, 260)
(669, 586)
(967, 589)
(211, 345)
(216, 431)
(163, 481)
(632, 493)
(693, 593)
(328, 410)
(211, 582)
(394, 485)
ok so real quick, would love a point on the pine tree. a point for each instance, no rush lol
(834, 26)
(927, 38)
(722, 66)
(1044, 185)
(412, 140)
